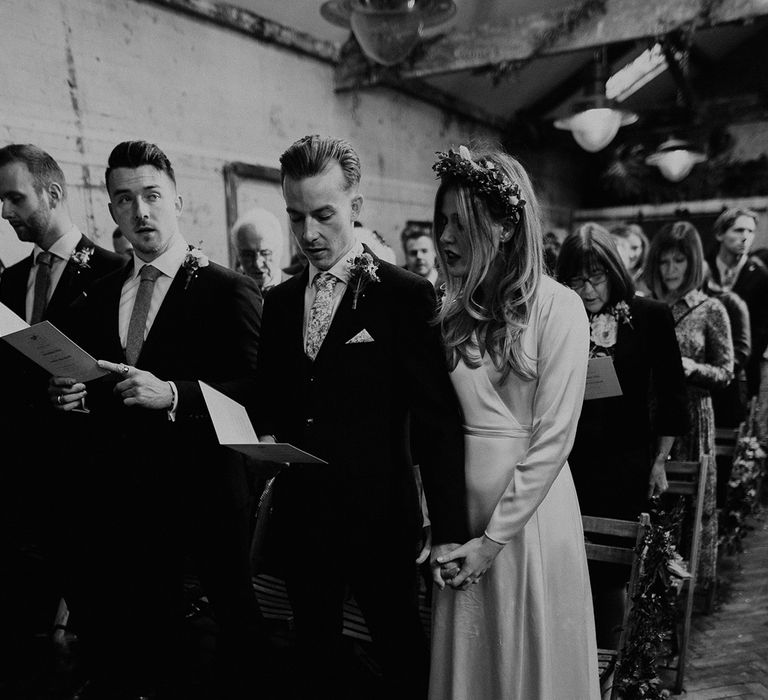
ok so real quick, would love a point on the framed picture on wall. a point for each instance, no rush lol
(247, 186)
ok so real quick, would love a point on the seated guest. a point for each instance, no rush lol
(633, 246)
(619, 455)
(735, 270)
(152, 485)
(674, 273)
(419, 250)
(258, 240)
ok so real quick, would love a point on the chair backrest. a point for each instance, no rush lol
(626, 552)
(688, 479)
(725, 441)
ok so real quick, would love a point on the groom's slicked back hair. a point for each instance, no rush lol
(133, 154)
(312, 155)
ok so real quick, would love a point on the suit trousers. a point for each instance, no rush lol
(382, 576)
(135, 526)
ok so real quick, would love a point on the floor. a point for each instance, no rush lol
(728, 652)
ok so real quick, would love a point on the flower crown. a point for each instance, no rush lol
(483, 178)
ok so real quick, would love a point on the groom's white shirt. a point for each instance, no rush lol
(341, 271)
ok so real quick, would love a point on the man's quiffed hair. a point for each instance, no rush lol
(43, 168)
(312, 155)
(134, 154)
(728, 218)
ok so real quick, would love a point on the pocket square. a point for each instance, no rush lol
(362, 337)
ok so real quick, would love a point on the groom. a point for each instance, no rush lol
(349, 350)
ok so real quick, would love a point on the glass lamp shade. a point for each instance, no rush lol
(675, 159)
(387, 36)
(594, 128)
(387, 30)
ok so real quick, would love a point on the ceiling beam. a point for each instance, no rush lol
(524, 38)
(255, 26)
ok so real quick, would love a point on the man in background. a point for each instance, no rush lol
(419, 249)
(121, 245)
(734, 270)
(258, 240)
(63, 264)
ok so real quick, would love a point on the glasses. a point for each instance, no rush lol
(594, 280)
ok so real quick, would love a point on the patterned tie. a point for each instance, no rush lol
(42, 285)
(138, 322)
(320, 313)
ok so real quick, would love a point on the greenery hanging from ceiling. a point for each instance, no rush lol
(627, 179)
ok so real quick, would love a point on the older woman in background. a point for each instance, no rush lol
(674, 274)
(619, 455)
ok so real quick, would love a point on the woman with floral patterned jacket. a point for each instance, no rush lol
(622, 442)
(675, 273)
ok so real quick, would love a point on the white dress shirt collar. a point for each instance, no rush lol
(167, 262)
(341, 268)
(62, 247)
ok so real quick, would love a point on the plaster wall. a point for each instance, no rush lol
(79, 76)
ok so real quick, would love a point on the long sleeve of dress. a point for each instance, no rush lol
(562, 346)
(717, 370)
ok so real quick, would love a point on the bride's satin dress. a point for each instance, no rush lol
(525, 631)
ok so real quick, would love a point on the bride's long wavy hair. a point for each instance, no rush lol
(501, 316)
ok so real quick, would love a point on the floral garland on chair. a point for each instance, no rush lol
(654, 605)
(743, 499)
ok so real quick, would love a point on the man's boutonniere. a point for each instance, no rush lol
(362, 270)
(80, 259)
(194, 260)
(604, 329)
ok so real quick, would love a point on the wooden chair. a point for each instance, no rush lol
(688, 479)
(633, 534)
(725, 442)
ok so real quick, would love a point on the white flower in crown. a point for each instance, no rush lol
(194, 260)
(603, 330)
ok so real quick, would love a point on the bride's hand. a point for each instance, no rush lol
(477, 554)
(442, 573)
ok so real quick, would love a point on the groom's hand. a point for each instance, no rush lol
(441, 574)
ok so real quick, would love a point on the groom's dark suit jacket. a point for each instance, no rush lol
(352, 407)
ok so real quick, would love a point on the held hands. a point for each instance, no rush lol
(472, 560)
(140, 388)
(657, 483)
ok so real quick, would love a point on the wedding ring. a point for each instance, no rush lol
(123, 368)
(58, 399)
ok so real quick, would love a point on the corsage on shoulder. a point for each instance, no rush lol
(362, 271)
(194, 260)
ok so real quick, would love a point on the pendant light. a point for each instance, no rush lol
(596, 119)
(387, 30)
(675, 159)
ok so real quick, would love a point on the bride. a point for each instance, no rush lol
(515, 619)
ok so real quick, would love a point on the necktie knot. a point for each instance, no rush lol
(44, 258)
(149, 272)
(325, 281)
